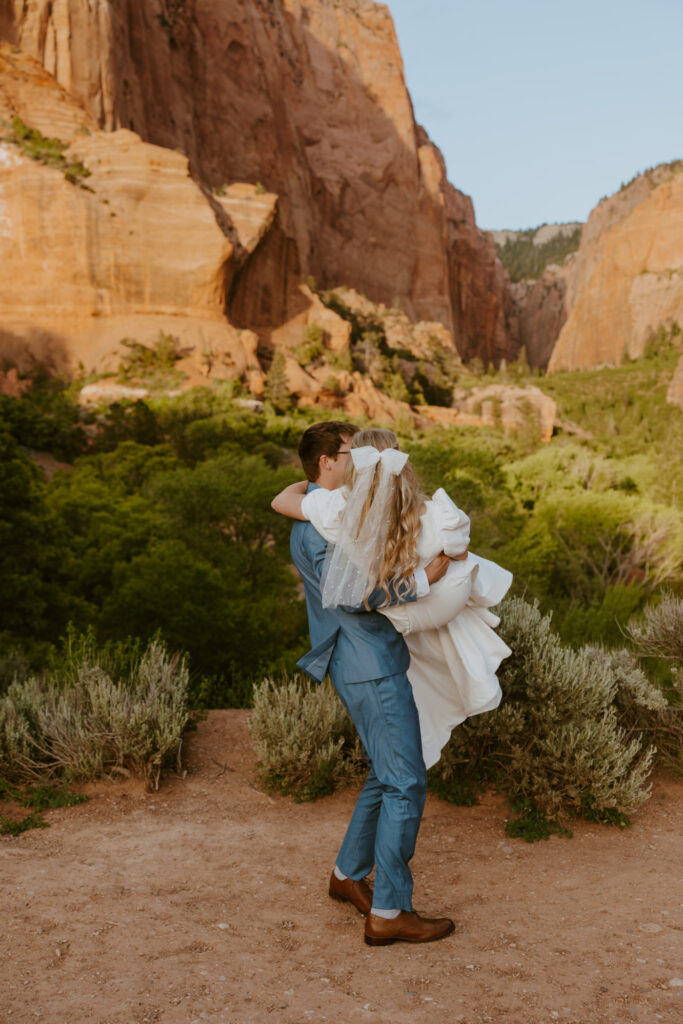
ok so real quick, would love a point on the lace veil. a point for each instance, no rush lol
(352, 565)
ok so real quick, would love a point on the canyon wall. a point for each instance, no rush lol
(538, 313)
(308, 101)
(106, 237)
(627, 277)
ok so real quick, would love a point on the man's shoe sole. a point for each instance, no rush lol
(371, 940)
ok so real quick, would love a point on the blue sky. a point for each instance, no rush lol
(541, 109)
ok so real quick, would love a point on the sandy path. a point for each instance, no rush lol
(207, 902)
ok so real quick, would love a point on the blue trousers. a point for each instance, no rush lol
(386, 818)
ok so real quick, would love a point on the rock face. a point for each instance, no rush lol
(538, 313)
(156, 248)
(310, 101)
(627, 277)
(134, 249)
(137, 252)
(504, 406)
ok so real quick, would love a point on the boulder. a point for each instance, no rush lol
(507, 406)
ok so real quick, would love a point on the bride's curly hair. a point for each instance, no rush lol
(403, 529)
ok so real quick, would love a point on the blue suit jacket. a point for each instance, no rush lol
(353, 645)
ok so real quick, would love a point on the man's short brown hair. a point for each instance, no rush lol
(322, 439)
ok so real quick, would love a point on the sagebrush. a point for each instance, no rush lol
(575, 734)
(83, 722)
(568, 734)
(304, 737)
(658, 634)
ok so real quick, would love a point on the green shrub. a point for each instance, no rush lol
(567, 741)
(340, 360)
(15, 828)
(37, 797)
(46, 151)
(312, 347)
(304, 738)
(276, 388)
(658, 634)
(155, 363)
(82, 723)
(566, 737)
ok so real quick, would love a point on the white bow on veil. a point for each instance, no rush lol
(353, 564)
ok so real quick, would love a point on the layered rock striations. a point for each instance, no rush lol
(309, 101)
(129, 247)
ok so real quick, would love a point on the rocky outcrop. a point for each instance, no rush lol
(500, 406)
(627, 277)
(623, 283)
(506, 406)
(310, 101)
(420, 338)
(12, 384)
(27, 89)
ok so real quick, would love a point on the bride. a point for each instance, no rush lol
(380, 529)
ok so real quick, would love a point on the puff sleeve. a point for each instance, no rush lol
(453, 524)
(324, 509)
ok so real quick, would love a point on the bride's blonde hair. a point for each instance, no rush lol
(403, 528)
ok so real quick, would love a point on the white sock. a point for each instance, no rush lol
(389, 915)
(339, 875)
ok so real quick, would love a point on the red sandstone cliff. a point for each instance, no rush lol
(309, 100)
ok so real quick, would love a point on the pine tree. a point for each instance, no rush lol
(276, 390)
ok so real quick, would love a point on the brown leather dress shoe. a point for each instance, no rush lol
(407, 927)
(359, 893)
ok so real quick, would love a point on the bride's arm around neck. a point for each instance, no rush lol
(288, 502)
(321, 507)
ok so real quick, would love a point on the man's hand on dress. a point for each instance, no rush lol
(437, 568)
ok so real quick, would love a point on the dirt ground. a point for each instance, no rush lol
(207, 901)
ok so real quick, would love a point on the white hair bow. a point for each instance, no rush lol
(368, 456)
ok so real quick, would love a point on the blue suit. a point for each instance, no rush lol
(367, 661)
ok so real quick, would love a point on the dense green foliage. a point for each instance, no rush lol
(524, 260)
(159, 521)
(168, 532)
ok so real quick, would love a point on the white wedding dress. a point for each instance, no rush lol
(454, 651)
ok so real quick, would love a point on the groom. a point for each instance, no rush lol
(367, 661)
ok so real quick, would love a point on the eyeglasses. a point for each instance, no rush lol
(346, 451)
